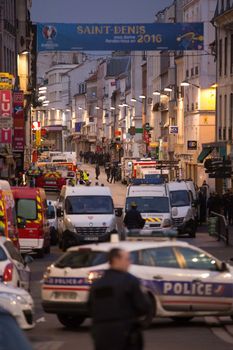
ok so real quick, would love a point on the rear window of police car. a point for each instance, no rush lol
(82, 258)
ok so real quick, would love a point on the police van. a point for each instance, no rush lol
(183, 208)
(152, 199)
(181, 280)
(86, 215)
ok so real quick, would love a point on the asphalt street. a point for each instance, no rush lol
(200, 333)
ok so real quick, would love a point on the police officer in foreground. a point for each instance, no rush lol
(116, 302)
(133, 219)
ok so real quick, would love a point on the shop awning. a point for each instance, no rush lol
(204, 153)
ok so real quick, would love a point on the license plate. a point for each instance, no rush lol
(65, 295)
(50, 182)
(91, 238)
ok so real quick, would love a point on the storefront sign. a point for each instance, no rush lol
(18, 122)
(125, 37)
(191, 145)
(6, 136)
(6, 81)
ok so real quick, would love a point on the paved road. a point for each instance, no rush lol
(201, 333)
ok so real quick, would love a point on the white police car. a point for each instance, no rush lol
(181, 280)
(14, 270)
(19, 304)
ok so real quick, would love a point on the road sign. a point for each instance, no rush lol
(191, 145)
(173, 129)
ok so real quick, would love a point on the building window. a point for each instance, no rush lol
(196, 106)
(187, 73)
(225, 111)
(196, 70)
(225, 55)
(220, 57)
(220, 133)
(192, 106)
(192, 72)
(220, 111)
(224, 134)
(231, 111)
(230, 134)
(231, 68)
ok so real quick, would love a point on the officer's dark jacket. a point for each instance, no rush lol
(133, 219)
(117, 296)
(11, 336)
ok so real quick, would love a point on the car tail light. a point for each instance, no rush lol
(8, 273)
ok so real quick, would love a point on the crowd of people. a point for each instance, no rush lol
(94, 157)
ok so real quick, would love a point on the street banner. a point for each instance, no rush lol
(18, 122)
(123, 37)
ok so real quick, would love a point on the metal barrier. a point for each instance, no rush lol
(219, 227)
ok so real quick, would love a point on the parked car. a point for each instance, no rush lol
(14, 270)
(19, 303)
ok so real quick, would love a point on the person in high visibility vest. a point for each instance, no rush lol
(85, 176)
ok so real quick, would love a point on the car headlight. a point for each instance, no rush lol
(189, 215)
(14, 298)
(167, 223)
(70, 227)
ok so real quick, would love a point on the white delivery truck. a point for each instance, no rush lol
(152, 199)
(183, 208)
(88, 215)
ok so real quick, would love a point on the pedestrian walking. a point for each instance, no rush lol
(113, 174)
(97, 171)
(116, 302)
(108, 171)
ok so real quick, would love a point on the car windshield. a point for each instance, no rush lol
(82, 258)
(180, 198)
(26, 208)
(89, 205)
(149, 204)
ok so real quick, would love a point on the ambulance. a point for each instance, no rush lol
(152, 199)
(8, 223)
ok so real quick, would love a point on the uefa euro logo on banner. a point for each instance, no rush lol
(49, 32)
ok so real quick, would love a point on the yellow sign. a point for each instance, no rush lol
(38, 138)
(154, 144)
(6, 81)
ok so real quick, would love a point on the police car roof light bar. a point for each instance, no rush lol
(148, 181)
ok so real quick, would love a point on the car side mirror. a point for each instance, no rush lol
(118, 212)
(21, 222)
(28, 259)
(59, 212)
(224, 267)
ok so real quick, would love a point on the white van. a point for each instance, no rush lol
(152, 202)
(183, 209)
(87, 213)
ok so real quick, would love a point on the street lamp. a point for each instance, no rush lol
(142, 97)
(133, 99)
(156, 93)
(97, 107)
(187, 83)
(168, 89)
